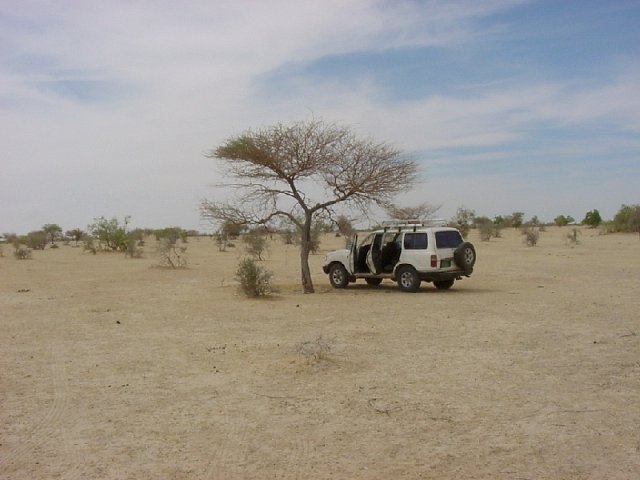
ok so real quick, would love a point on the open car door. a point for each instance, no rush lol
(353, 253)
(373, 255)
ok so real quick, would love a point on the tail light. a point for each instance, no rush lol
(434, 261)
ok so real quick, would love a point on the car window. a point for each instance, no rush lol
(415, 241)
(448, 239)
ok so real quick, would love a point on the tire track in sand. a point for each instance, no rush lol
(50, 426)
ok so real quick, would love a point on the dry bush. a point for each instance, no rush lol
(22, 252)
(315, 350)
(572, 236)
(531, 235)
(170, 254)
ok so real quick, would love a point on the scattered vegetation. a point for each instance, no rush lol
(22, 252)
(531, 235)
(255, 243)
(255, 281)
(487, 228)
(627, 219)
(463, 220)
(563, 220)
(572, 236)
(170, 254)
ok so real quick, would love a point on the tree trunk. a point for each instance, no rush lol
(305, 249)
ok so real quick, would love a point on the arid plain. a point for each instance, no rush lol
(114, 368)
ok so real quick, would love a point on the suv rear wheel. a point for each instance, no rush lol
(408, 279)
(338, 276)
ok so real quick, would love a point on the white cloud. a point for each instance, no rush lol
(173, 79)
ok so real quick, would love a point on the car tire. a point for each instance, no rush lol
(444, 284)
(408, 279)
(338, 276)
(465, 257)
(373, 282)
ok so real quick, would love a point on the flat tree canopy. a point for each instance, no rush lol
(302, 171)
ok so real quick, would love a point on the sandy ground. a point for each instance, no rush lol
(113, 368)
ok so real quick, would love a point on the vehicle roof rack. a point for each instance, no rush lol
(413, 223)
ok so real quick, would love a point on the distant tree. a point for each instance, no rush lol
(36, 240)
(561, 221)
(627, 219)
(463, 220)
(486, 227)
(301, 172)
(592, 218)
(423, 211)
(570, 219)
(10, 237)
(76, 234)
(110, 233)
(517, 219)
(52, 231)
(344, 226)
(255, 243)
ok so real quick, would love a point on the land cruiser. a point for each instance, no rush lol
(408, 253)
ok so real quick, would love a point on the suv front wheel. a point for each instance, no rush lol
(408, 279)
(338, 276)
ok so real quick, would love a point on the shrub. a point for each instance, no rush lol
(531, 235)
(89, 244)
(171, 255)
(22, 252)
(627, 219)
(134, 242)
(572, 236)
(463, 220)
(255, 281)
(255, 244)
(111, 235)
(487, 228)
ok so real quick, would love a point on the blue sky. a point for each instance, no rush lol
(106, 107)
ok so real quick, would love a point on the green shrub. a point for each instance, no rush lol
(255, 281)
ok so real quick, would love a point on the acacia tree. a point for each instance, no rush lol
(301, 172)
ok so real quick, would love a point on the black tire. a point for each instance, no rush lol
(444, 284)
(373, 282)
(338, 276)
(408, 279)
(465, 257)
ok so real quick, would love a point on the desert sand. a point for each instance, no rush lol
(114, 368)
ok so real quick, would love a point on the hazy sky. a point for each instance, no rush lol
(107, 106)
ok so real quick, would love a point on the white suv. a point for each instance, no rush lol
(408, 253)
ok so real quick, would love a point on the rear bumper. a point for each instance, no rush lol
(439, 276)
